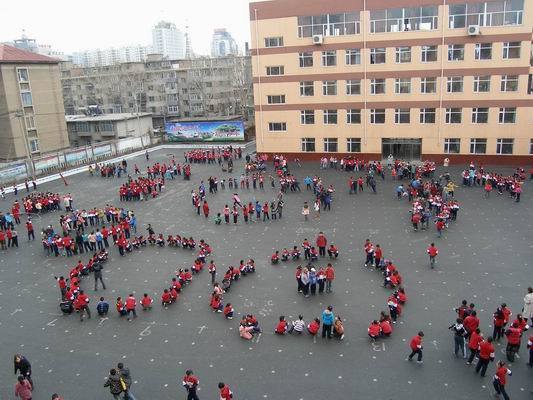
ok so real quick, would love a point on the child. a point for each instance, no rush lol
(146, 302)
(374, 330)
(313, 327)
(285, 255)
(228, 311)
(281, 328)
(216, 304)
(165, 298)
(333, 252)
(338, 328)
(218, 219)
(274, 259)
(121, 309)
(298, 325)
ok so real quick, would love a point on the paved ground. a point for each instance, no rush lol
(484, 257)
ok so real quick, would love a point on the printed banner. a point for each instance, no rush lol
(13, 172)
(211, 131)
(45, 163)
(102, 150)
(74, 156)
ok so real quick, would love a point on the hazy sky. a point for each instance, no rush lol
(72, 26)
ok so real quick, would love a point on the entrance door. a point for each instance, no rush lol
(403, 149)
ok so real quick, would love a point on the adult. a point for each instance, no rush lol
(528, 305)
(23, 366)
(97, 269)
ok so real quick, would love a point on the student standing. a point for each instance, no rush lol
(459, 333)
(416, 347)
(190, 383)
(327, 322)
(485, 355)
(225, 391)
(432, 251)
(131, 304)
(321, 243)
(500, 379)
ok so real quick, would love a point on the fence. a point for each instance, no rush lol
(75, 157)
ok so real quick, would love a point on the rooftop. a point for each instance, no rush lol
(106, 117)
(10, 54)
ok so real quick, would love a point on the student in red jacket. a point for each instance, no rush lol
(131, 304)
(281, 328)
(471, 322)
(514, 334)
(146, 302)
(378, 255)
(485, 355)
(165, 298)
(476, 337)
(225, 392)
(330, 277)
(228, 311)
(500, 379)
(313, 327)
(82, 305)
(321, 243)
(386, 327)
(432, 251)
(374, 330)
(416, 347)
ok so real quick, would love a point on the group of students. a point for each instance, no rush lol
(262, 211)
(191, 382)
(210, 155)
(332, 326)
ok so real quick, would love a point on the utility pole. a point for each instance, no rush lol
(20, 116)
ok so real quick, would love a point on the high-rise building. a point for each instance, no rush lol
(418, 79)
(32, 115)
(168, 41)
(223, 44)
(110, 56)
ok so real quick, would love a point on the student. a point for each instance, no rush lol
(313, 327)
(218, 219)
(146, 302)
(386, 327)
(228, 311)
(459, 333)
(476, 337)
(333, 251)
(131, 304)
(281, 328)
(327, 322)
(245, 332)
(500, 379)
(102, 308)
(416, 347)
(225, 392)
(81, 304)
(485, 355)
(338, 328)
(274, 259)
(190, 383)
(165, 298)
(298, 325)
(432, 251)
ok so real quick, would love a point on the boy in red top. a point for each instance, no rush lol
(146, 302)
(131, 304)
(476, 337)
(500, 379)
(190, 383)
(386, 327)
(374, 330)
(82, 305)
(225, 392)
(432, 251)
(485, 354)
(321, 243)
(330, 276)
(471, 322)
(416, 347)
(440, 226)
(29, 227)
(62, 283)
(205, 208)
(281, 328)
(165, 298)
(313, 327)
(378, 255)
(228, 311)
(274, 258)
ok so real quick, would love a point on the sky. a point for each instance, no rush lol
(74, 26)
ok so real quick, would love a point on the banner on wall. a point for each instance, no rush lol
(75, 156)
(13, 172)
(102, 150)
(45, 163)
(210, 131)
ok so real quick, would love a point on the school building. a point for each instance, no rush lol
(418, 79)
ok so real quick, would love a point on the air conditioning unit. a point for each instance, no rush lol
(473, 30)
(318, 39)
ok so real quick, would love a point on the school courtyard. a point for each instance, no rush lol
(485, 257)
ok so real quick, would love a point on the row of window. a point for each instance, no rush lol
(403, 54)
(451, 145)
(490, 13)
(453, 115)
(352, 87)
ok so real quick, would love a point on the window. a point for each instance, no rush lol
(454, 115)
(274, 41)
(34, 145)
(329, 88)
(427, 115)
(22, 75)
(276, 70)
(478, 146)
(353, 116)
(480, 115)
(511, 50)
(329, 24)
(456, 52)
(482, 84)
(402, 85)
(306, 59)
(483, 51)
(507, 115)
(172, 109)
(330, 117)
(429, 53)
(452, 146)
(308, 144)
(377, 86)
(488, 13)
(276, 99)
(404, 19)
(307, 88)
(377, 116)
(353, 87)
(330, 145)
(428, 85)
(106, 126)
(29, 122)
(378, 55)
(26, 99)
(509, 83)
(329, 58)
(353, 56)
(277, 126)
(307, 117)
(403, 55)
(504, 146)
(353, 145)
(455, 84)
(402, 116)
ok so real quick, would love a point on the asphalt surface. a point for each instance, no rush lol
(485, 257)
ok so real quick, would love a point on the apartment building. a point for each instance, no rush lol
(191, 88)
(419, 79)
(32, 116)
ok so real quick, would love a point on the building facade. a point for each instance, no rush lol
(223, 44)
(419, 79)
(201, 87)
(90, 129)
(169, 41)
(110, 56)
(32, 115)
